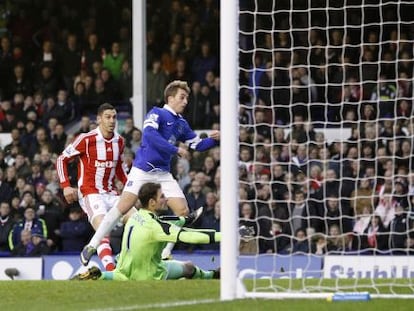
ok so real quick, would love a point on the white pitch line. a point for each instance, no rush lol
(156, 305)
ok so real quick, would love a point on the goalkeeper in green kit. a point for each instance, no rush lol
(145, 236)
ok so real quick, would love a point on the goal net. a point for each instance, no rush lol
(325, 171)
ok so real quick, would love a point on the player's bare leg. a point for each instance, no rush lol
(125, 203)
(179, 207)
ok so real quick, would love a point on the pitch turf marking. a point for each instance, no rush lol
(157, 305)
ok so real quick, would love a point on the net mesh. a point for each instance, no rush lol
(326, 142)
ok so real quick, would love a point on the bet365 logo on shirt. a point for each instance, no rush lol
(105, 164)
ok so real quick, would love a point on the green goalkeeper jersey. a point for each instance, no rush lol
(144, 238)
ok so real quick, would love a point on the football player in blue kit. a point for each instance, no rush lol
(164, 128)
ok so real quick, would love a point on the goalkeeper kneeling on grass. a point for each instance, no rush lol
(145, 236)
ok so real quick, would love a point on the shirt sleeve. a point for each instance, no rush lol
(167, 232)
(204, 144)
(202, 236)
(193, 141)
(158, 142)
(71, 151)
(120, 171)
(150, 129)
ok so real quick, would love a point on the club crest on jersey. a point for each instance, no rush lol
(153, 117)
(69, 151)
(104, 164)
(129, 183)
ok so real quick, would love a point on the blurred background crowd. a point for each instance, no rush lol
(59, 60)
(307, 70)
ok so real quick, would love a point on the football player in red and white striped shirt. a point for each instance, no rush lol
(100, 154)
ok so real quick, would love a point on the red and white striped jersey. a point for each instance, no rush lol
(100, 161)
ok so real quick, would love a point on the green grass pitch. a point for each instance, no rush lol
(158, 295)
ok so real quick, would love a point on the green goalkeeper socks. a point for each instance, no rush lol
(107, 275)
(202, 274)
(113, 276)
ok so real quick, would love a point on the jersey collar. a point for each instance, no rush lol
(148, 212)
(170, 110)
(98, 130)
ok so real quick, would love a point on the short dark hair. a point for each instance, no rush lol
(103, 107)
(147, 192)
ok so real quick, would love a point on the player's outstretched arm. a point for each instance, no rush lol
(201, 236)
(167, 232)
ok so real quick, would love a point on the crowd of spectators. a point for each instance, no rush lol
(347, 73)
(306, 72)
(59, 60)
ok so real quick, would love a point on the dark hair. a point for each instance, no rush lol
(147, 192)
(299, 230)
(103, 107)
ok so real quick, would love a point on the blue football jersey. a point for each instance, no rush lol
(162, 130)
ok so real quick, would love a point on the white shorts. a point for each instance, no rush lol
(138, 177)
(97, 204)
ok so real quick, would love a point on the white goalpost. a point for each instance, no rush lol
(229, 147)
(317, 165)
